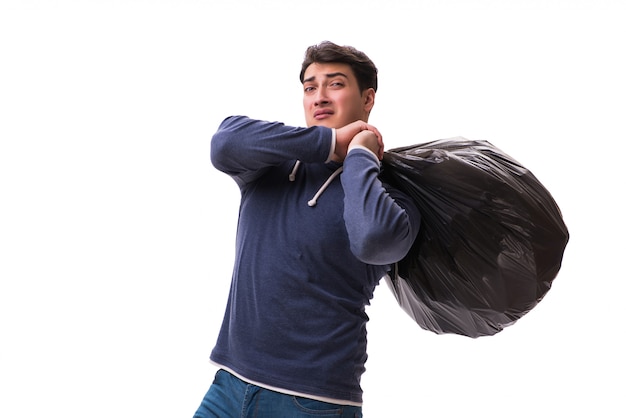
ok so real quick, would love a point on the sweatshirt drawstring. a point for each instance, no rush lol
(313, 201)
(292, 175)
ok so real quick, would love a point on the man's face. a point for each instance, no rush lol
(332, 97)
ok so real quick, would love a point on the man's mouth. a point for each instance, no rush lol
(322, 114)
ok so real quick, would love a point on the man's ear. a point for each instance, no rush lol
(369, 97)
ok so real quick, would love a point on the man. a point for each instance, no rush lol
(317, 231)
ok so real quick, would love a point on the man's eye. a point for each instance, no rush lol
(336, 84)
(309, 89)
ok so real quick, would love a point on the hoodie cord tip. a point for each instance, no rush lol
(292, 175)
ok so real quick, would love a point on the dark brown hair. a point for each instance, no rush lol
(327, 52)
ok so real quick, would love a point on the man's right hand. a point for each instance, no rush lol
(345, 135)
(369, 140)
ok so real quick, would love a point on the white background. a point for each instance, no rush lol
(116, 234)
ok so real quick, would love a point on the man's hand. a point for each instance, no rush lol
(369, 140)
(345, 135)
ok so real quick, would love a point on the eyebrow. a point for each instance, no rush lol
(329, 75)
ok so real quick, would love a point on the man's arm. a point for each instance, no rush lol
(382, 223)
(244, 148)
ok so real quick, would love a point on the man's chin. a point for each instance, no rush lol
(328, 123)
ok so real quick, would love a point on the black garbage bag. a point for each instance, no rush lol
(491, 240)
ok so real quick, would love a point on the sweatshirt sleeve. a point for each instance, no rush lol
(244, 148)
(382, 222)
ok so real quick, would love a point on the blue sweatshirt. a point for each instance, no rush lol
(295, 318)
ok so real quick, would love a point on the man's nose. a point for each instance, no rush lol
(321, 97)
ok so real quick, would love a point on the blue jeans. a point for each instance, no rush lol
(230, 397)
